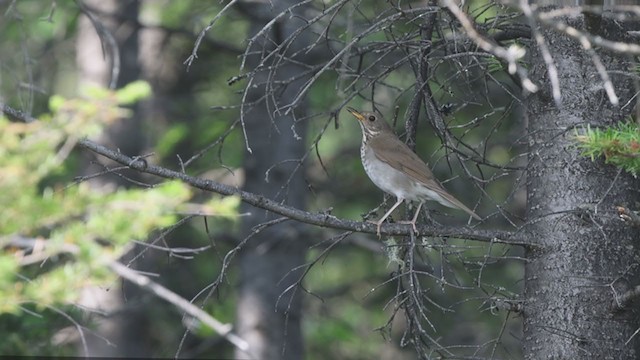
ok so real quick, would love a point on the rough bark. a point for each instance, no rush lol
(584, 254)
(268, 316)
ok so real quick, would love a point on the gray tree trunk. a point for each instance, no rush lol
(267, 316)
(95, 67)
(585, 255)
(124, 325)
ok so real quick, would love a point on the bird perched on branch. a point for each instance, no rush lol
(396, 169)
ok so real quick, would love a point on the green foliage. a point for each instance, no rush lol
(16, 328)
(133, 92)
(57, 239)
(171, 138)
(620, 145)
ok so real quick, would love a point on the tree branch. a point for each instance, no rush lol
(16, 114)
(225, 330)
(511, 55)
(319, 219)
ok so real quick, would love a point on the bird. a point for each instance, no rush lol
(394, 168)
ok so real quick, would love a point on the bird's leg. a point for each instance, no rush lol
(415, 218)
(385, 216)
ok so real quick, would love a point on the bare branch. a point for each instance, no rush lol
(617, 46)
(587, 41)
(196, 46)
(510, 55)
(225, 330)
(324, 220)
(15, 113)
(144, 282)
(106, 37)
(544, 50)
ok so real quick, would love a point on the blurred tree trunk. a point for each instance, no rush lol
(124, 326)
(267, 317)
(97, 54)
(584, 251)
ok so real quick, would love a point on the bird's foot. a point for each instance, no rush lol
(412, 223)
(378, 224)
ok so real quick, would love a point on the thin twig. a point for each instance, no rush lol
(510, 55)
(544, 50)
(196, 46)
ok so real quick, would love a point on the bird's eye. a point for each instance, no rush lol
(372, 118)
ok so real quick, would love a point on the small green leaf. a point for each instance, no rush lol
(56, 102)
(133, 92)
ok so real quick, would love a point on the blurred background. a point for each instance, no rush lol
(279, 88)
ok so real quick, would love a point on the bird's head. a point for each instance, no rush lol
(371, 124)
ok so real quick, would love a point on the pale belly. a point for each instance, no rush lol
(396, 183)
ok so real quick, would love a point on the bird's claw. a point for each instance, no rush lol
(378, 224)
(412, 223)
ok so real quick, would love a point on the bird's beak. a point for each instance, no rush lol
(355, 113)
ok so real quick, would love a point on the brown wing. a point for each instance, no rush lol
(397, 154)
